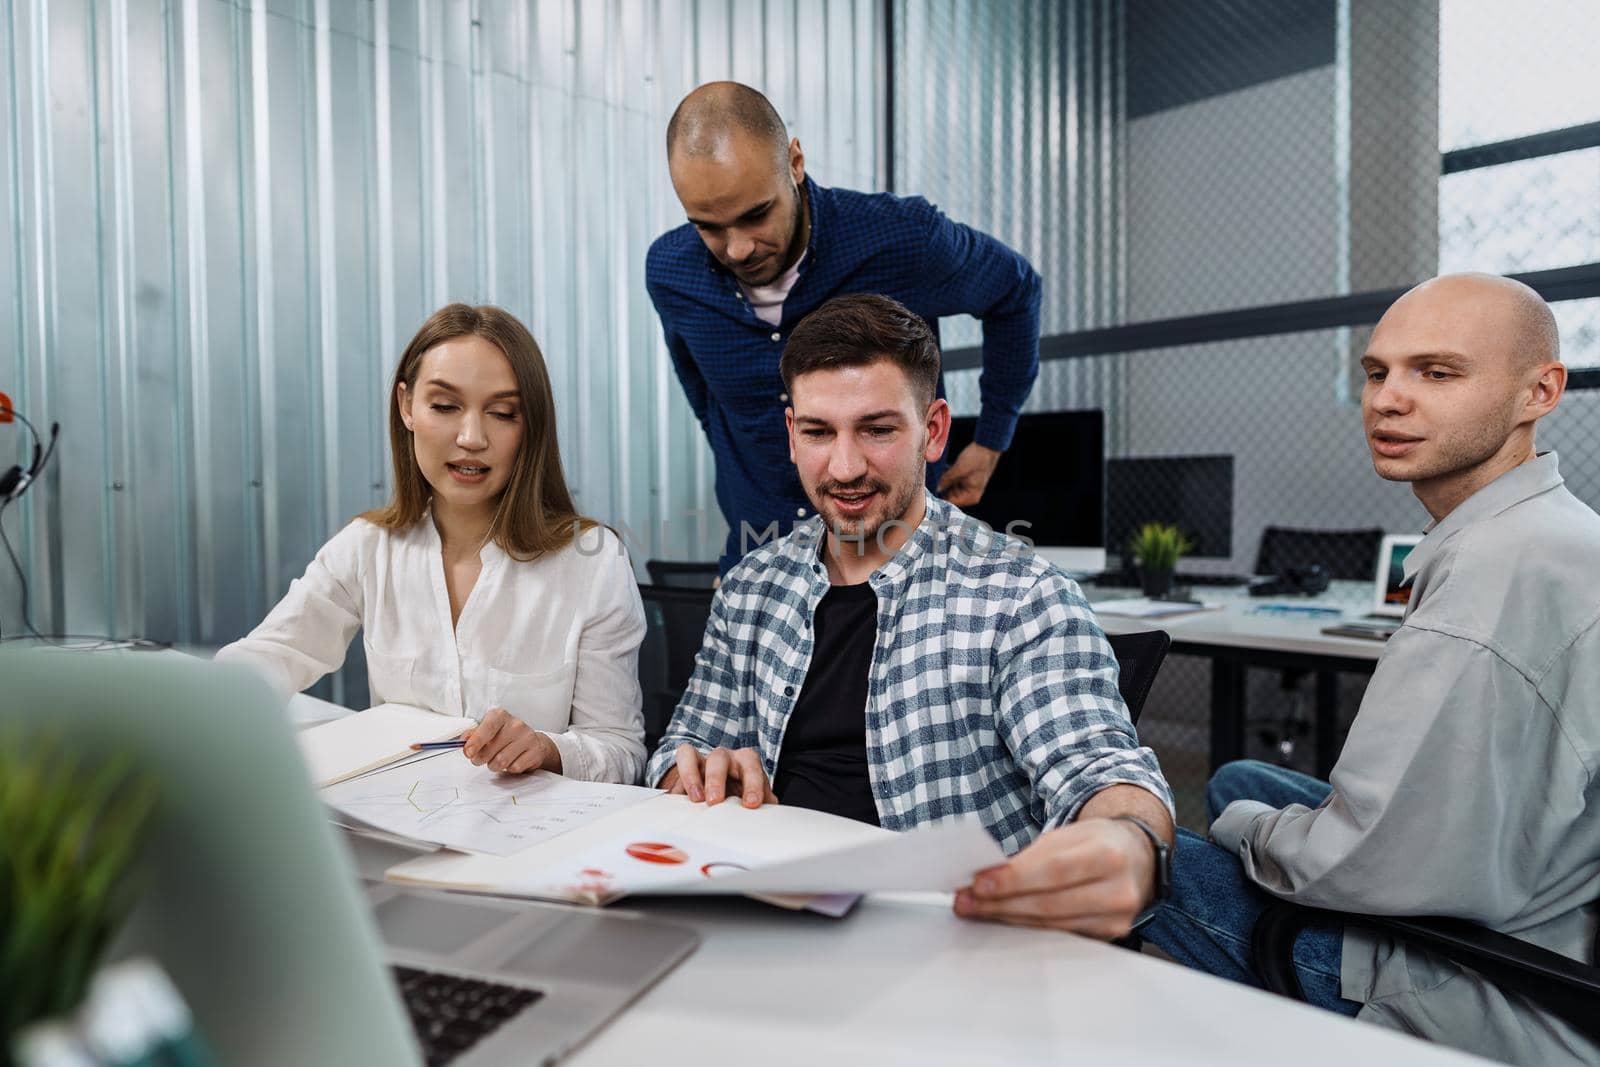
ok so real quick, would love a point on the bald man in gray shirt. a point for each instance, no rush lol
(1468, 784)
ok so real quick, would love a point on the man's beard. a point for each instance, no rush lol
(865, 527)
(1454, 455)
(781, 261)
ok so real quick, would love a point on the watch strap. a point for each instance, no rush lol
(1163, 868)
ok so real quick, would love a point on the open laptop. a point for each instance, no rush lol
(250, 903)
(1390, 593)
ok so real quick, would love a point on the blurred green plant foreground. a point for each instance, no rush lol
(69, 834)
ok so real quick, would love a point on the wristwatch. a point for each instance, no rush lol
(1163, 868)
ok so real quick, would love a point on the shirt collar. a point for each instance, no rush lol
(808, 542)
(902, 566)
(487, 552)
(1538, 475)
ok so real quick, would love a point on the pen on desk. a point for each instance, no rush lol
(422, 746)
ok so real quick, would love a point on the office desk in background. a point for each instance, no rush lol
(1239, 636)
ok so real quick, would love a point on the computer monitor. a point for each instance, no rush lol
(1193, 493)
(1049, 486)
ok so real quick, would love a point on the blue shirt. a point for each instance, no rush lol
(727, 357)
(991, 690)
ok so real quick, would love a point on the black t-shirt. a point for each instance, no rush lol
(823, 762)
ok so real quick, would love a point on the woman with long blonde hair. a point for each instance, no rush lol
(479, 589)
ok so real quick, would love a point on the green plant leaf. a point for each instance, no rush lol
(70, 831)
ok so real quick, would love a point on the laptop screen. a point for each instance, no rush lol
(1390, 594)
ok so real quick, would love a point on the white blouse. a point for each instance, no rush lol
(554, 640)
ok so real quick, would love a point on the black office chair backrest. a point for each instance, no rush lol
(675, 625)
(1343, 554)
(682, 575)
(1139, 657)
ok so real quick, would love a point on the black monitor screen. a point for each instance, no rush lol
(1193, 493)
(1052, 477)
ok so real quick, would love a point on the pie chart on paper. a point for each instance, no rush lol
(656, 852)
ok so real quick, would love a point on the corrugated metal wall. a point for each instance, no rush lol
(223, 221)
(1009, 116)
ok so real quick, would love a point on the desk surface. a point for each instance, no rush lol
(1240, 624)
(902, 980)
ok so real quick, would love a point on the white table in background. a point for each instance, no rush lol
(1241, 635)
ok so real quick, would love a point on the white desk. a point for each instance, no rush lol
(1240, 625)
(1240, 636)
(902, 980)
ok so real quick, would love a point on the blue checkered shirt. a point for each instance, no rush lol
(727, 358)
(991, 690)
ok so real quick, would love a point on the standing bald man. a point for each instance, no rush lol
(1468, 784)
(765, 245)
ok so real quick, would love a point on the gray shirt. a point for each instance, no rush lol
(1468, 784)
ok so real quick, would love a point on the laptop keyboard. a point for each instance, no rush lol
(451, 1014)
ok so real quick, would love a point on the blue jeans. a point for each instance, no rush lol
(1206, 923)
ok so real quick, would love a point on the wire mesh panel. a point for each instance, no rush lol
(1270, 156)
(222, 221)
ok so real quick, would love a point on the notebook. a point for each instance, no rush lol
(348, 747)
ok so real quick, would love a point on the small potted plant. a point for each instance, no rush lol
(1157, 547)
(69, 834)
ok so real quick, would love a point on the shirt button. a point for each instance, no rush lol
(800, 512)
(783, 397)
(817, 567)
(788, 690)
(776, 336)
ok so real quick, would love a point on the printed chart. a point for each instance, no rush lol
(447, 801)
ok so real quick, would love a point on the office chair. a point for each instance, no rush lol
(675, 625)
(682, 575)
(1139, 657)
(1342, 555)
(1566, 988)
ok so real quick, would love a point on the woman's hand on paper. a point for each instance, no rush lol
(510, 746)
(707, 777)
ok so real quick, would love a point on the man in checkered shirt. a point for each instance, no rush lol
(895, 661)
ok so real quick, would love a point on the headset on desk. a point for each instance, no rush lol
(16, 481)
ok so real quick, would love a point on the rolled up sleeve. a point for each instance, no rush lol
(1060, 711)
(1428, 814)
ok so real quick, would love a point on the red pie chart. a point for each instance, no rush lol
(656, 852)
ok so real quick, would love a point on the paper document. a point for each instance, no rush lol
(447, 801)
(671, 845)
(943, 856)
(367, 740)
(1144, 608)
